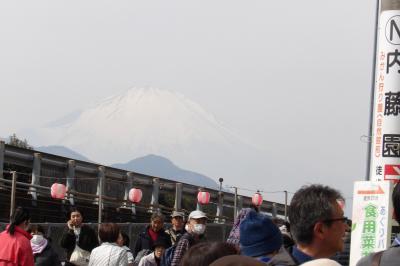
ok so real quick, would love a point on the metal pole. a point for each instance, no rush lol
(13, 192)
(37, 161)
(178, 197)
(235, 204)
(71, 180)
(154, 208)
(2, 151)
(285, 206)
(220, 183)
(199, 206)
(128, 187)
(101, 186)
(220, 208)
(371, 111)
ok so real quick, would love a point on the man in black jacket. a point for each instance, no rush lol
(77, 233)
(150, 234)
(176, 230)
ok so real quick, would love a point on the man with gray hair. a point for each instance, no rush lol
(317, 225)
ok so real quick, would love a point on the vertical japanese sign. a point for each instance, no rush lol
(385, 146)
(371, 219)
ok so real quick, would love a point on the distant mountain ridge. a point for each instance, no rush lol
(153, 165)
(161, 167)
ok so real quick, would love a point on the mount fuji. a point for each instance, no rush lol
(151, 121)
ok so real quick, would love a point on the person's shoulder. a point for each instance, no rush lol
(283, 258)
(390, 256)
(121, 249)
(166, 231)
(144, 230)
(86, 227)
(367, 260)
(237, 260)
(321, 261)
(143, 233)
(97, 248)
(148, 257)
(165, 235)
(22, 240)
(4, 232)
(186, 237)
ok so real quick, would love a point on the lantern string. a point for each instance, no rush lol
(136, 182)
(261, 191)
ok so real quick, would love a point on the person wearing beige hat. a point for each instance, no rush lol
(177, 229)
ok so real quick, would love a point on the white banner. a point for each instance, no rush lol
(385, 146)
(372, 218)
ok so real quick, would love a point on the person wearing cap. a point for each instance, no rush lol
(196, 227)
(154, 258)
(177, 229)
(260, 238)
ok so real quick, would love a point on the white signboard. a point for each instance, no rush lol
(372, 218)
(385, 147)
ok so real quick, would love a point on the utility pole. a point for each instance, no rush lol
(13, 193)
(286, 205)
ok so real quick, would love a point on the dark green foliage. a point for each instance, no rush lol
(15, 141)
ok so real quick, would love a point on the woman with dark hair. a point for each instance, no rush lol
(43, 253)
(203, 254)
(123, 241)
(78, 239)
(15, 248)
(109, 253)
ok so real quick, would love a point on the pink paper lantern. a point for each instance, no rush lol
(58, 191)
(135, 195)
(257, 199)
(203, 197)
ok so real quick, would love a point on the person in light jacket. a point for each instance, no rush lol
(109, 253)
(154, 258)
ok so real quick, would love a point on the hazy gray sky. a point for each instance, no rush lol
(292, 77)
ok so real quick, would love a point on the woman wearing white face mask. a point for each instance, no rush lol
(43, 253)
(195, 228)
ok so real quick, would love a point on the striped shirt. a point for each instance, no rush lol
(108, 254)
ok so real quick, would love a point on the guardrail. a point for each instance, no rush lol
(93, 183)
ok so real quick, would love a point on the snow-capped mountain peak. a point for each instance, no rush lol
(146, 121)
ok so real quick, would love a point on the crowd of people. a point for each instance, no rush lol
(315, 234)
